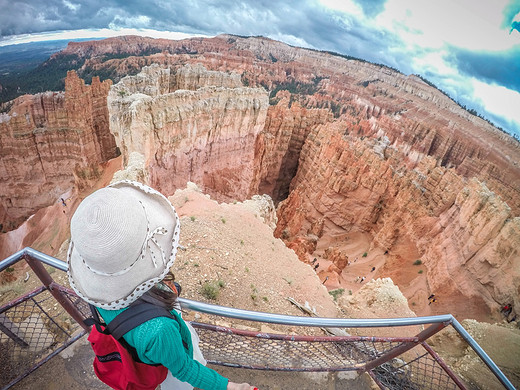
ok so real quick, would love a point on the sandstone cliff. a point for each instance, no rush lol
(464, 234)
(204, 133)
(377, 101)
(48, 139)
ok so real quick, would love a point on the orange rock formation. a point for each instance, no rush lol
(48, 139)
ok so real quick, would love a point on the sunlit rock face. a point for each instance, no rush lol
(204, 133)
(47, 141)
(467, 237)
(372, 100)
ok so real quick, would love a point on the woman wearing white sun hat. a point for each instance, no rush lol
(124, 239)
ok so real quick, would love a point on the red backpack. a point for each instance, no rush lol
(116, 362)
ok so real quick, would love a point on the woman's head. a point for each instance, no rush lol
(124, 239)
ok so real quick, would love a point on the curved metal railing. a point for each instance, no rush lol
(35, 258)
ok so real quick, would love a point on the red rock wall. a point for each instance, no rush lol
(371, 150)
(417, 119)
(204, 134)
(46, 139)
(466, 236)
(279, 145)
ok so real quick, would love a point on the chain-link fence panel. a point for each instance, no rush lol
(33, 328)
(239, 348)
(420, 373)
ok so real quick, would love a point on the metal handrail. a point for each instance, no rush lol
(249, 315)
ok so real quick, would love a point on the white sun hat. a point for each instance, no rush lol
(124, 239)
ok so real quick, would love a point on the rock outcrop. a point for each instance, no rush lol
(204, 133)
(373, 100)
(467, 237)
(49, 142)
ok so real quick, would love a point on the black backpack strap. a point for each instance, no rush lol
(134, 316)
(95, 320)
(126, 321)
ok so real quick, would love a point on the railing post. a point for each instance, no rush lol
(425, 334)
(48, 282)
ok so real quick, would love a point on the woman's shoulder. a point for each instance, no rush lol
(157, 322)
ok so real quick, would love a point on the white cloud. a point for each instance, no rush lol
(139, 21)
(498, 100)
(291, 40)
(469, 24)
(71, 6)
(348, 7)
(433, 62)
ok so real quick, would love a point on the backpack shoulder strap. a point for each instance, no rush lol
(95, 320)
(135, 316)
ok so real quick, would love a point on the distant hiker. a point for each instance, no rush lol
(373, 269)
(355, 259)
(316, 266)
(357, 278)
(431, 297)
(507, 309)
(432, 301)
(386, 252)
(326, 278)
(63, 202)
(348, 263)
(124, 239)
(314, 261)
(362, 279)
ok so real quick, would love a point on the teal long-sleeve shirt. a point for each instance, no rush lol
(160, 341)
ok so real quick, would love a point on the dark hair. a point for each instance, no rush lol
(159, 297)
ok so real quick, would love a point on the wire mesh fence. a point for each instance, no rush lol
(420, 373)
(33, 328)
(246, 349)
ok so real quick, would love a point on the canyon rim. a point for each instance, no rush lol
(368, 167)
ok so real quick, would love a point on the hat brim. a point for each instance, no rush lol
(116, 292)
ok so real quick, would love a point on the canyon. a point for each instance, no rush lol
(369, 168)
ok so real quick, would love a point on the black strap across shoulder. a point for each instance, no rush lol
(134, 316)
(124, 322)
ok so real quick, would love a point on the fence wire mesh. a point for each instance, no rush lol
(237, 348)
(420, 373)
(33, 328)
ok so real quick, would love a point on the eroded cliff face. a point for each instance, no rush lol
(372, 151)
(49, 142)
(465, 235)
(278, 146)
(203, 133)
(377, 101)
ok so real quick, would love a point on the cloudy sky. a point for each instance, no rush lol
(468, 48)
